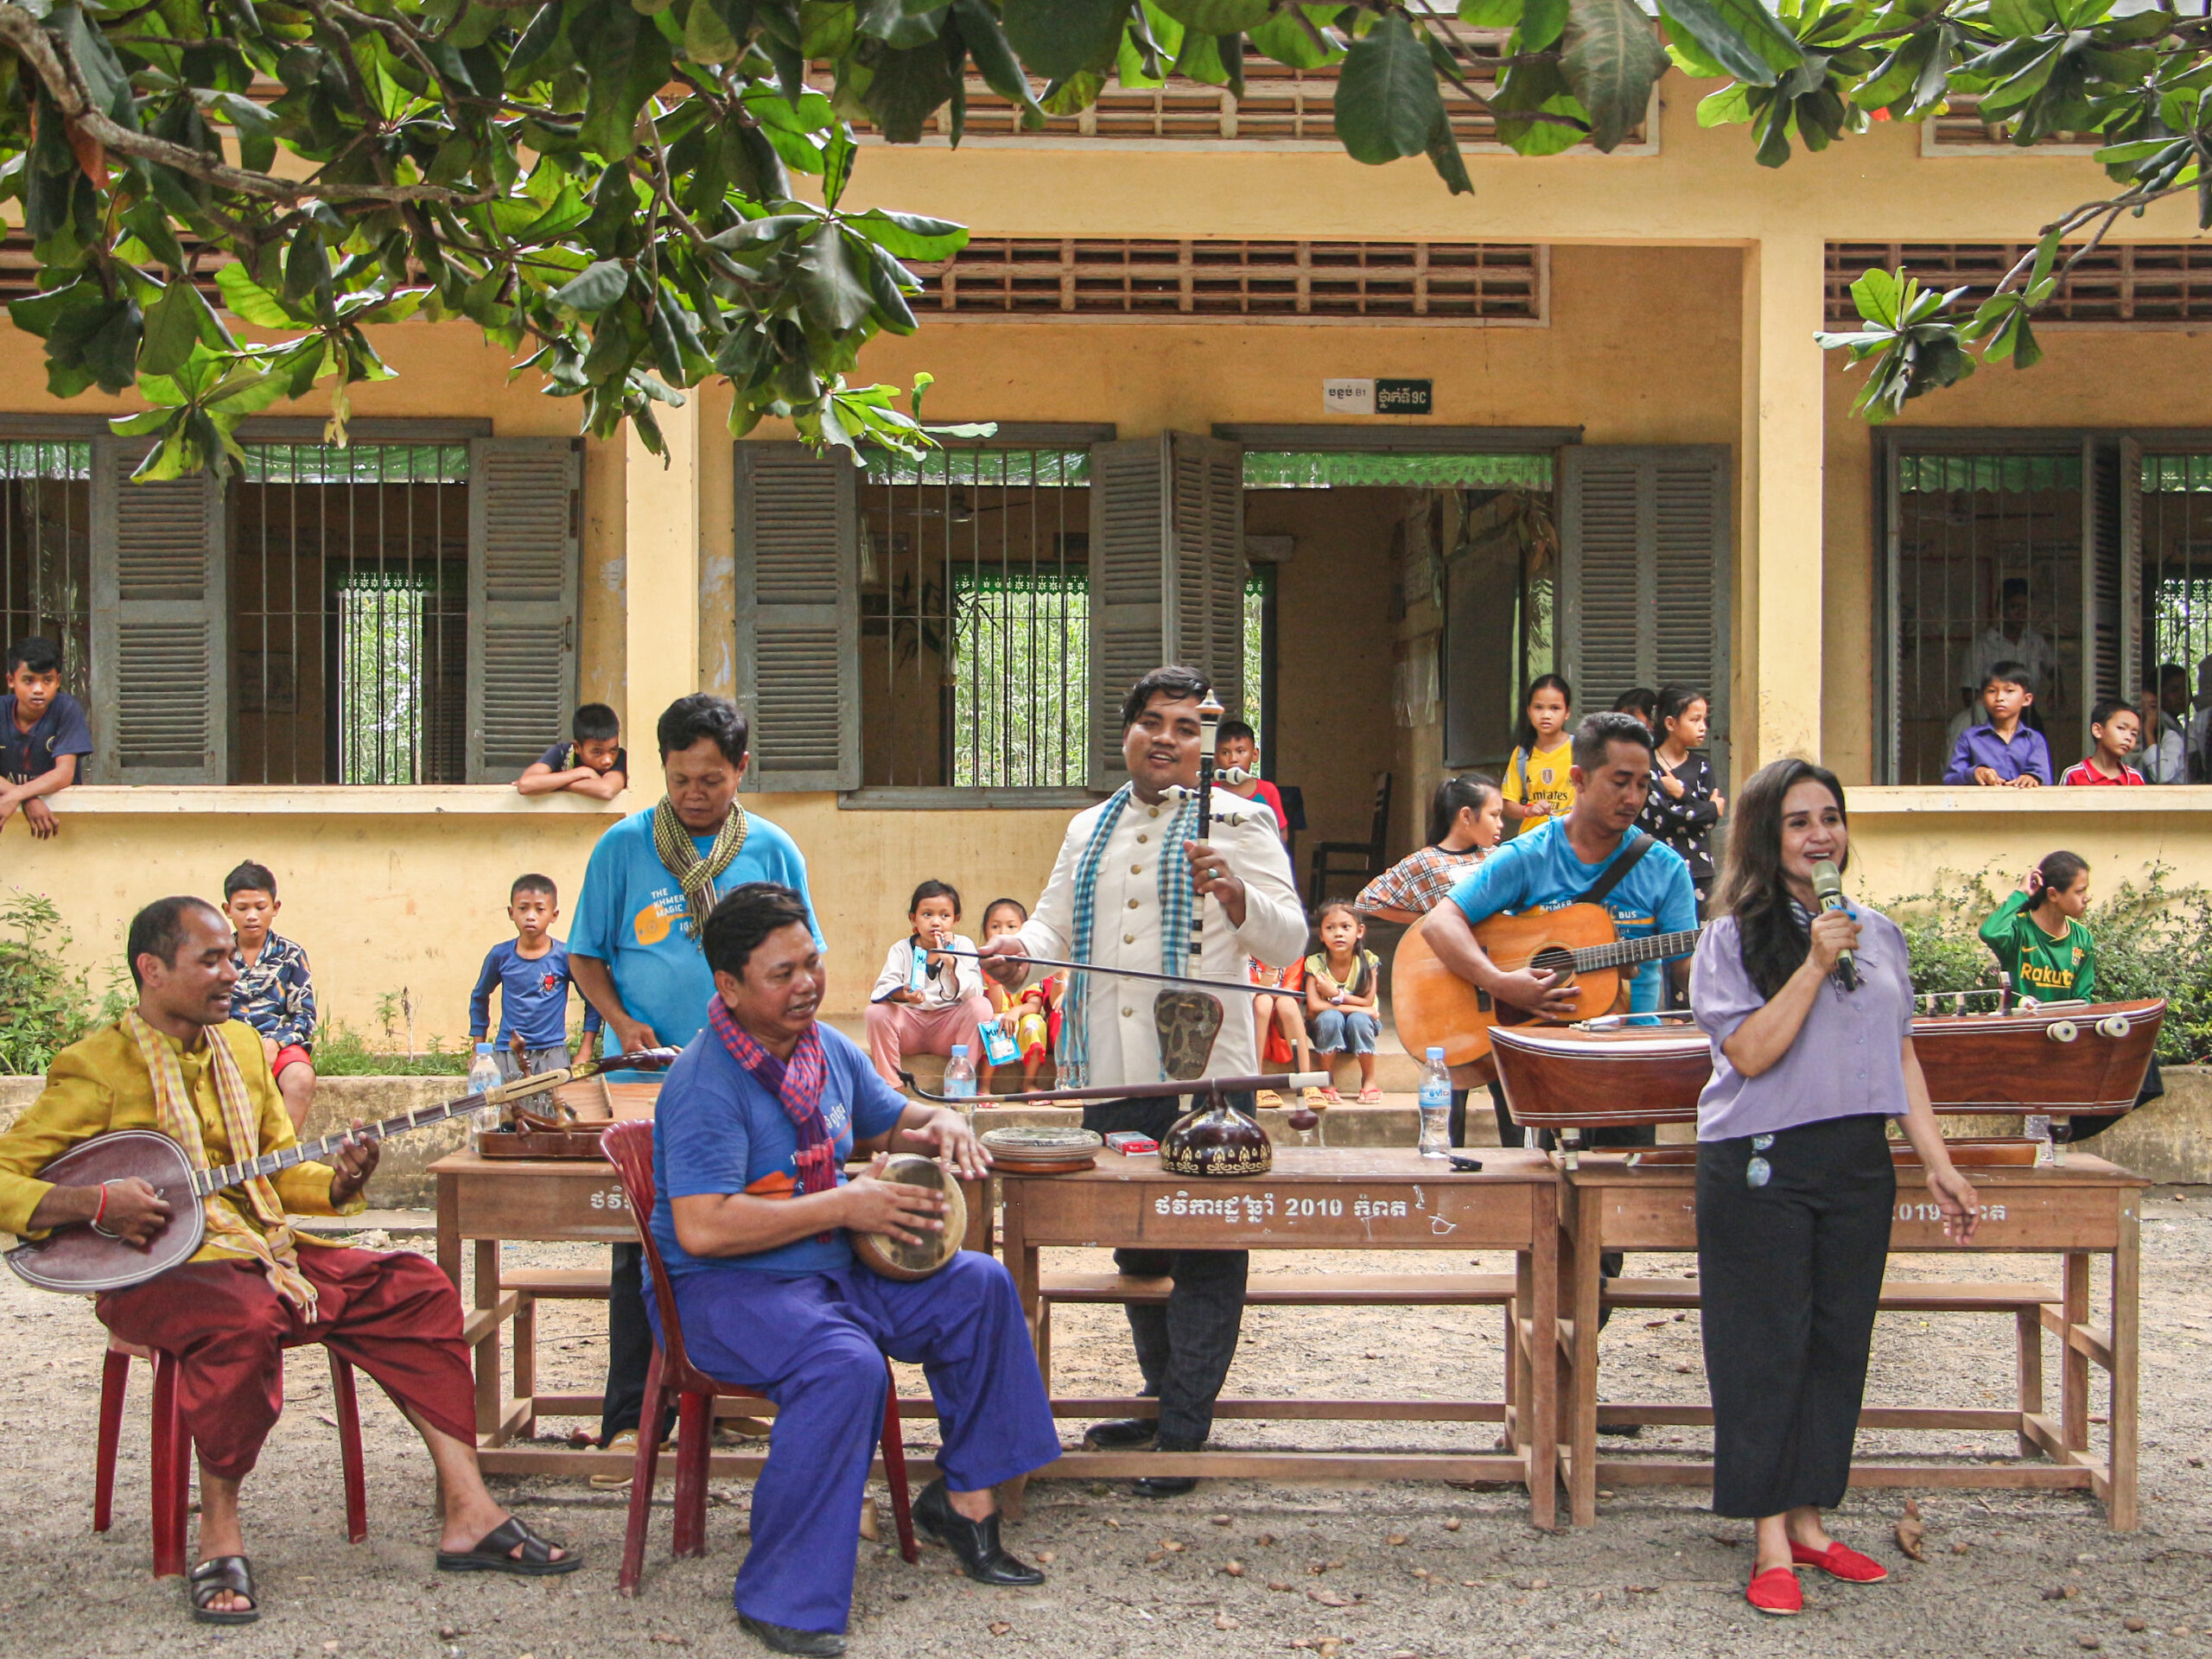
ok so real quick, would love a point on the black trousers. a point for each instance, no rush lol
(1791, 1273)
(629, 1345)
(1509, 1132)
(1184, 1346)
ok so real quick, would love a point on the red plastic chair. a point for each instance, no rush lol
(673, 1379)
(172, 1454)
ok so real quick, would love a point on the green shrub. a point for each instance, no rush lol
(342, 1052)
(2154, 938)
(44, 1007)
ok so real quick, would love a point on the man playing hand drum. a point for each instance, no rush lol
(750, 1133)
(178, 1064)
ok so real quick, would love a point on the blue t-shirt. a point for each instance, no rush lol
(533, 996)
(61, 730)
(631, 915)
(716, 1130)
(1538, 870)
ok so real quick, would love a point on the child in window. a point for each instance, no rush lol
(44, 739)
(929, 998)
(1280, 1018)
(275, 992)
(2004, 750)
(2116, 731)
(1539, 779)
(1342, 989)
(1029, 1019)
(592, 763)
(1235, 744)
(1685, 800)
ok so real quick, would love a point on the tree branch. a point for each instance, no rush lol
(63, 82)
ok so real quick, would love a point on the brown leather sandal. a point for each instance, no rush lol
(211, 1579)
(493, 1552)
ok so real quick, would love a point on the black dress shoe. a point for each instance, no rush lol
(1168, 1485)
(782, 1638)
(1123, 1434)
(975, 1542)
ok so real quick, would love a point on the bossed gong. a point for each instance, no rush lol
(886, 1255)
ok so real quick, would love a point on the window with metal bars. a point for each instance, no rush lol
(349, 613)
(975, 619)
(45, 577)
(2144, 285)
(2177, 573)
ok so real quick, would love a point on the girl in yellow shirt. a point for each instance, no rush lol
(1539, 779)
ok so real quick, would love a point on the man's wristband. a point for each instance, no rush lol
(99, 1214)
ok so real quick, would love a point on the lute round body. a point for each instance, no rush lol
(77, 1260)
(881, 1253)
(1216, 1139)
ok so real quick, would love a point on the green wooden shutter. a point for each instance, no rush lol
(1644, 576)
(799, 615)
(160, 703)
(2131, 571)
(525, 547)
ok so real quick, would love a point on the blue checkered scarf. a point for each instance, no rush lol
(1174, 925)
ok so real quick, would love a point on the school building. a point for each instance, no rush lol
(1374, 454)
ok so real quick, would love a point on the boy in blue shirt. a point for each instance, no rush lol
(43, 736)
(751, 1217)
(2003, 751)
(531, 973)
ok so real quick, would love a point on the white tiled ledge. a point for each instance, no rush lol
(1867, 798)
(365, 800)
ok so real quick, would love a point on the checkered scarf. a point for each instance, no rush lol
(796, 1083)
(1175, 896)
(673, 846)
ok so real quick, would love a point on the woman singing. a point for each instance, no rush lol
(1795, 1183)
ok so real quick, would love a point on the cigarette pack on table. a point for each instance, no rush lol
(1128, 1142)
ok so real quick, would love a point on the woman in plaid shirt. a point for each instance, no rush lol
(1465, 821)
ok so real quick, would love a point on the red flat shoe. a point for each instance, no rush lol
(1838, 1562)
(1774, 1592)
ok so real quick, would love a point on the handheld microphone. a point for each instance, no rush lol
(1828, 886)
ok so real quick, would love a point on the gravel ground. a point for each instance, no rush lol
(1368, 1571)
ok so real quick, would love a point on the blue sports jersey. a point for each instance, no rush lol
(716, 1130)
(533, 996)
(631, 915)
(1538, 870)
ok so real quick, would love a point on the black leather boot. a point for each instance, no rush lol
(1169, 1486)
(782, 1638)
(975, 1542)
(1123, 1434)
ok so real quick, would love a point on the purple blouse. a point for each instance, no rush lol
(1848, 1058)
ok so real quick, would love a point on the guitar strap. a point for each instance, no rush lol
(1623, 863)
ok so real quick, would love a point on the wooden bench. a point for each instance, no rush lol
(1286, 1290)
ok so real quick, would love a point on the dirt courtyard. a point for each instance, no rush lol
(1364, 1571)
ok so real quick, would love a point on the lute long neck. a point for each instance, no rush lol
(208, 1181)
(1655, 947)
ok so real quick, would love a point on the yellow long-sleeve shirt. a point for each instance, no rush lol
(101, 1084)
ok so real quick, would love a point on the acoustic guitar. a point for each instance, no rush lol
(1432, 1006)
(77, 1261)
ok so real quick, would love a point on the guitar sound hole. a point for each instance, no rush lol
(1553, 959)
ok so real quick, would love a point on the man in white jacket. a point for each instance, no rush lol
(1132, 873)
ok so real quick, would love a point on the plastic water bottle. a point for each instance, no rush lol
(960, 1076)
(2037, 1127)
(1435, 1107)
(484, 1073)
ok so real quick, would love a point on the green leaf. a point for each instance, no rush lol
(1060, 38)
(1292, 37)
(909, 236)
(994, 59)
(1613, 59)
(1543, 22)
(172, 330)
(1745, 38)
(834, 295)
(1386, 101)
(1218, 16)
(907, 89)
(837, 163)
(707, 38)
(1731, 105)
(1490, 14)
(601, 284)
(248, 301)
(1444, 155)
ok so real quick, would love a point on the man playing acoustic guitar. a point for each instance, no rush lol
(178, 1064)
(1593, 855)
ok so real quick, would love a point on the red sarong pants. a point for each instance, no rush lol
(393, 1315)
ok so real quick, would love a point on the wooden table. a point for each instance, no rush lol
(1316, 1198)
(2078, 1209)
(488, 1201)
